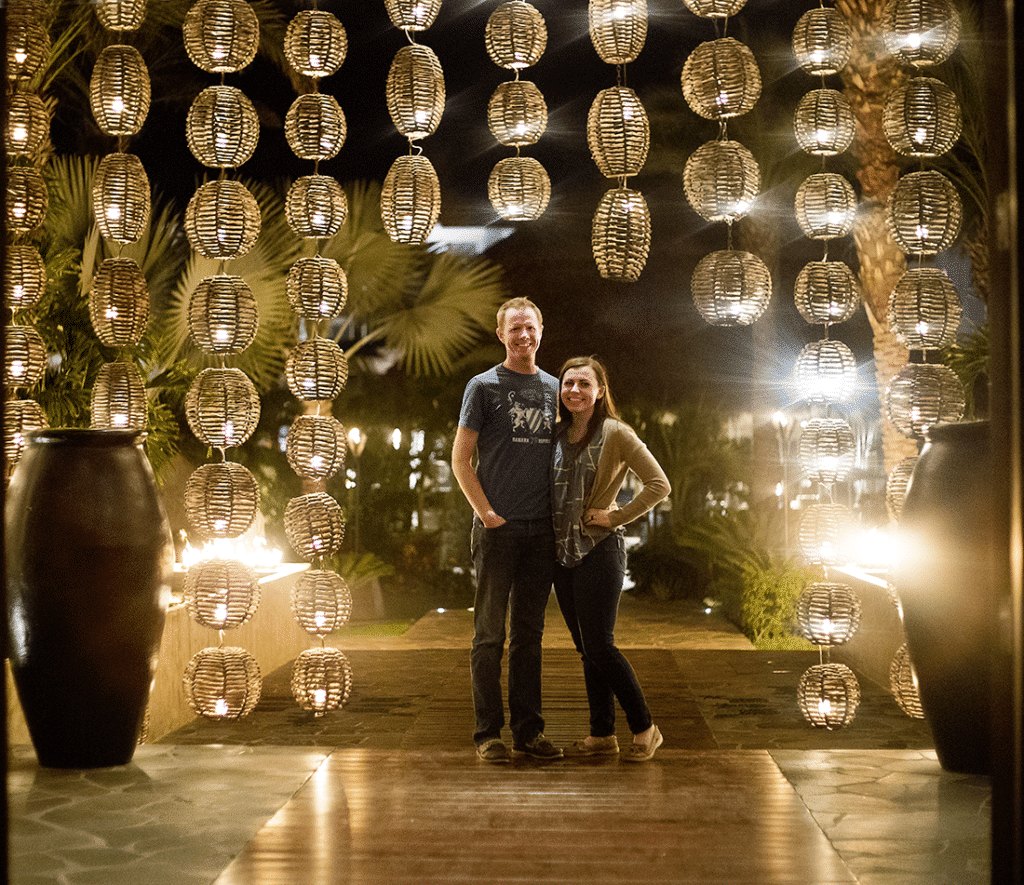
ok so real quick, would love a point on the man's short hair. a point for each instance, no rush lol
(518, 304)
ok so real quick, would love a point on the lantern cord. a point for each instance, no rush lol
(409, 37)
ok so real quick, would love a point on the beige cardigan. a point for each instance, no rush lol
(622, 450)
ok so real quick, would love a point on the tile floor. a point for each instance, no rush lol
(761, 799)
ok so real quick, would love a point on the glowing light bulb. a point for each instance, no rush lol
(320, 618)
(19, 134)
(220, 707)
(319, 697)
(17, 368)
(20, 56)
(111, 313)
(824, 706)
(316, 462)
(113, 212)
(221, 612)
(119, 419)
(920, 135)
(318, 219)
(921, 231)
(117, 105)
(314, 61)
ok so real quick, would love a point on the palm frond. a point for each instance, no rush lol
(449, 315)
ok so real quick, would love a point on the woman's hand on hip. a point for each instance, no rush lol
(595, 518)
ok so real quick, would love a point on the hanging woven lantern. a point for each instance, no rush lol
(731, 288)
(314, 525)
(119, 397)
(119, 90)
(618, 132)
(315, 126)
(316, 446)
(120, 197)
(222, 127)
(922, 118)
(317, 288)
(922, 395)
(24, 357)
(222, 407)
(721, 79)
(621, 235)
(20, 417)
(222, 220)
(316, 207)
(519, 189)
(828, 695)
(827, 613)
(826, 533)
(119, 302)
(221, 36)
(27, 199)
(316, 369)
(410, 200)
(826, 370)
(221, 593)
(896, 484)
(315, 43)
(924, 309)
(924, 213)
(714, 8)
(321, 601)
(618, 29)
(28, 124)
(826, 206)
(321, 680)
(826, 292)
(903, 683)
(824, 123)
(822, 41)
(412, 15)
(721, 180)
(517, 113)
(827, 450)
(921, 32)
(27, 41)
(120, 15)
(221, 499)
(24, 277)
(223, 316)
(516, 35)
(223, 683)
(415, 91)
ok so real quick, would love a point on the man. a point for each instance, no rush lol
(508, 417)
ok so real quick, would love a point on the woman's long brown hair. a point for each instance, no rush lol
(603, 408)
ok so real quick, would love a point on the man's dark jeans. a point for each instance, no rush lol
(514, 566)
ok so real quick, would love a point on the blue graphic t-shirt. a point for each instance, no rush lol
(514, 415)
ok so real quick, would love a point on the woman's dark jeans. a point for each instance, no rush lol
(588, 596)
(514, 565)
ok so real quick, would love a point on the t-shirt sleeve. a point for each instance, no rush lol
(472, 414)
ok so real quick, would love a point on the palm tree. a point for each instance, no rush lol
(868, 78)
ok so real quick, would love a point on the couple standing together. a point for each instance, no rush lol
(551, 455)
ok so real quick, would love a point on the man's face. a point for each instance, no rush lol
(520, 333)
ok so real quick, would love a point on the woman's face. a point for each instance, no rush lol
(580, 391)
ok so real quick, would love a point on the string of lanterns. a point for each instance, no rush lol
(222, 222)
(410, 200)
(518, 187)
(119, 95)
(921, 119)
(26, 134)
(721, 179)
(316, 45)
(826, 293)
(619, 137)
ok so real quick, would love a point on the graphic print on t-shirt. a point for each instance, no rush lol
(531, 416)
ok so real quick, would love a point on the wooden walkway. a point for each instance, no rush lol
(419, 818)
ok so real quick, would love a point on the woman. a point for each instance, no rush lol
(593, 452)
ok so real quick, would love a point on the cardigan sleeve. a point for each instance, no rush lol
(629, 452)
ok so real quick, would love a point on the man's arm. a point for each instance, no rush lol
(462, 466)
